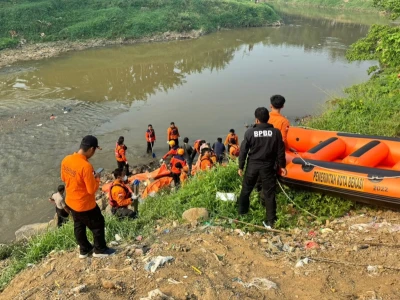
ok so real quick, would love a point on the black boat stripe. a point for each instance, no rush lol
(322, 145)
(364, 149)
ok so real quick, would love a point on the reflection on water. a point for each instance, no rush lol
(207, 86)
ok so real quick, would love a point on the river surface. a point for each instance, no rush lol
(206, 86)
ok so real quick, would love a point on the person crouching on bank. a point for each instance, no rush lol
(120, 197)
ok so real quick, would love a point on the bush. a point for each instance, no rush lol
(8, 43)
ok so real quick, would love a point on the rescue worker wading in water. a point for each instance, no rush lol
(173, 134)
(120, 151)
(262, 147)
(150, 138)
(177, 163)
(120, 197)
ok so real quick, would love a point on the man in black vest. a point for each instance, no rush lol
(262, 147)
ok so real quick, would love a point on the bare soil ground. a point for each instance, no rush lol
(227, 259)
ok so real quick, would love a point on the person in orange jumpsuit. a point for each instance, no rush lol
(120, 197)
(150, 138)
(205, 160)
(81, 185)
(231, 135)
(120, 155)
(275, 117)
(173, 134)
(171, 152)
(177, 163)
(233, 150)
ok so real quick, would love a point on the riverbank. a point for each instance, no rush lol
(355, 5)
(348, 258)
(40, 51)
(102, 23)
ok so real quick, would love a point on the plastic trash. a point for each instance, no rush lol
(226, 196)
(311, 245)
(259, 283)
(39, 125)
(79, 288)
(118, 237)
(312, 233)
(301, 262)
(156, 294)
(372, 225)
(372, 269)
(326, 230)
(156, 262)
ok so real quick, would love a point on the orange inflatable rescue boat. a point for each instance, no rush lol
(361, 167)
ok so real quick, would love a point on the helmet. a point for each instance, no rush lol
(181, 151)
(171, 143)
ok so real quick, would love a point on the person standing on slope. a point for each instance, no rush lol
(262, 147)
(81, 184)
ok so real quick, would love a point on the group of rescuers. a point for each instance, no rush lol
(263, 148)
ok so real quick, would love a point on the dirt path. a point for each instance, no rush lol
(227, 259)
(46, 50)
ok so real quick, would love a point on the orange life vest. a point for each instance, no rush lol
(111, 201)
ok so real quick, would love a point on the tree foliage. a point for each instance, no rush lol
(392, 6)
(382, 43)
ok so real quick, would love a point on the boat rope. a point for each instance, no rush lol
(291, 200)
(307, 163)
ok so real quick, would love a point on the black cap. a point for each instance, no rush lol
(90, 141)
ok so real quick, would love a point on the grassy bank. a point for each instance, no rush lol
(199, 192)
(366, 5)
(54, 20)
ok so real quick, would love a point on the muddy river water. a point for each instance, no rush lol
(206, 86)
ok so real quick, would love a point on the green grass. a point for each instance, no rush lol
(54, 20)
(198, 192)
(340, 4)
(8, 43)
(372, 107)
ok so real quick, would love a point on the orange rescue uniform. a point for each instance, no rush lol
(177, 159)
(231, 136)
(205, 163)
(172, 133)
(279, 122)
(120, 153)
(80, 184)
(232, 151)
(171, 152)
(120, 194)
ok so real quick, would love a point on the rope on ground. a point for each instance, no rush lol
(347, 263)
(255, 226)
(291, 200)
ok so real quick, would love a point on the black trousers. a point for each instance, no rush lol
(94, 220)
(62, 216)
(267, 174)
(124, 212)
(177, 179)
(149, 147)
(176, 143)
(123, 166)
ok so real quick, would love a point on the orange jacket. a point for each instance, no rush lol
(150, 135)
(231, 136)
(171, 152)
(120, 194)
(232, 151)
(177, 159)
(206, 163)
(172, 133)
(80, 184)
(279, 122)
(120, 153)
